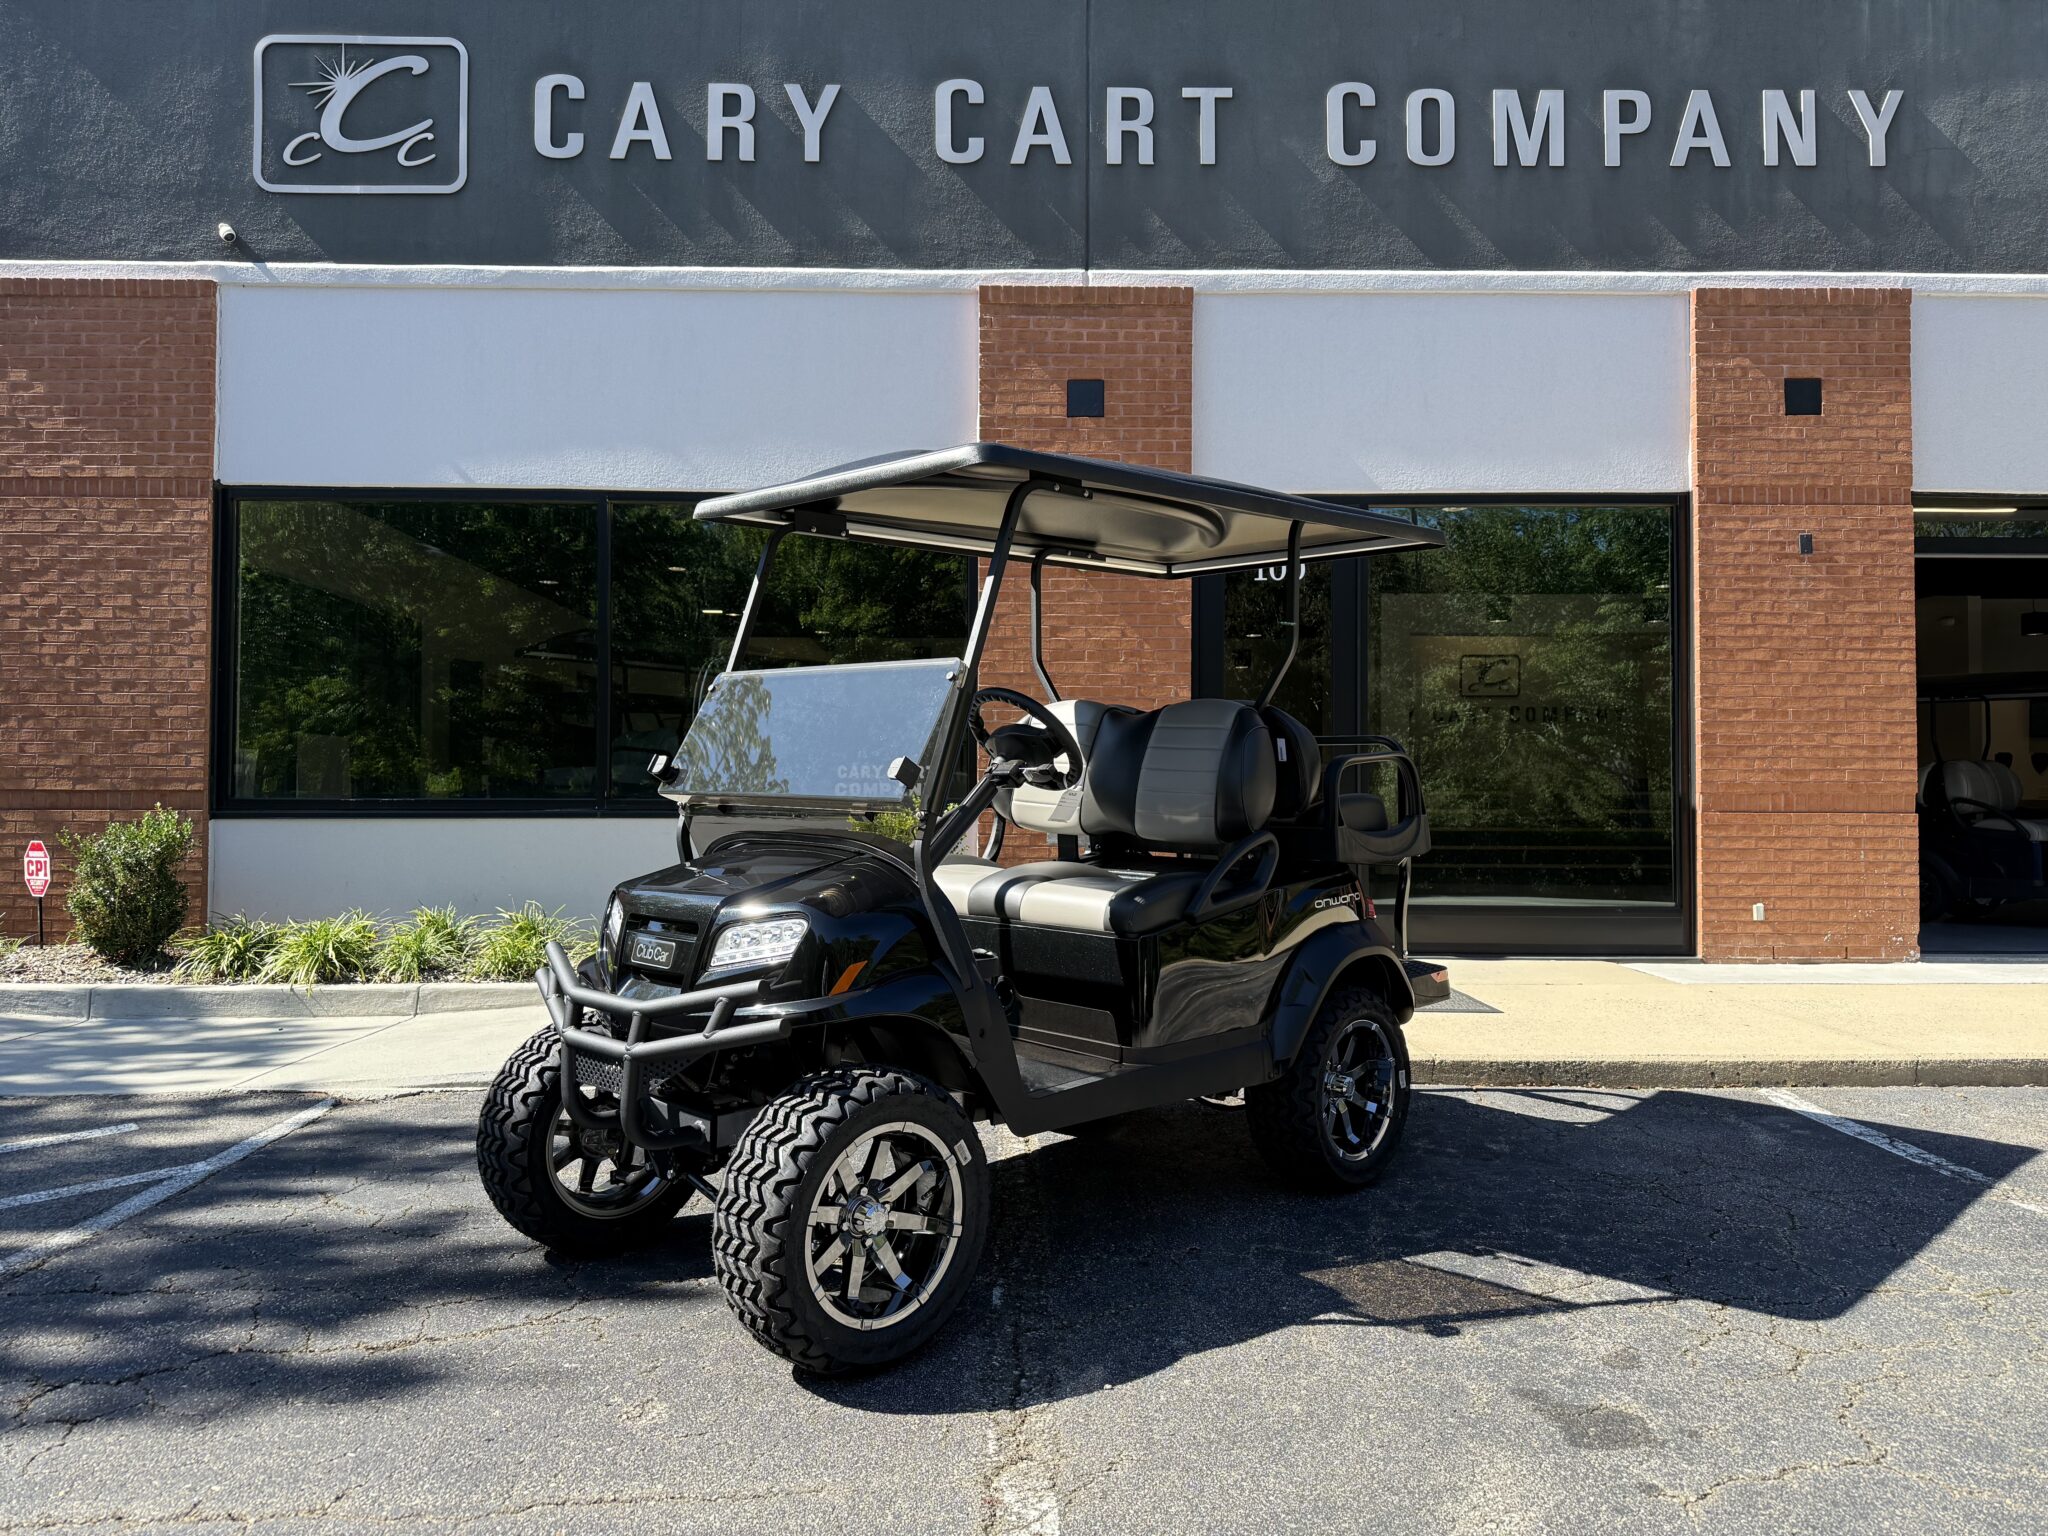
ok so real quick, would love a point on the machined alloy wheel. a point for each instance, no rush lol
(885, 1226)
(598, 1174)
(852, 1218)
(1333, 1119)
(579, 1193)
(1358, 1089)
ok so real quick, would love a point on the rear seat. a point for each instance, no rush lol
(1190, 778)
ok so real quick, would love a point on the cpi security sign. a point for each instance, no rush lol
(35, 869)
(357, 114)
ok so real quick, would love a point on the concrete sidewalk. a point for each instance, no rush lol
(1583, 1022)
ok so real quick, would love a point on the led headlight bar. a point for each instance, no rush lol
(758, 944)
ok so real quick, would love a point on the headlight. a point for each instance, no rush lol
(614, 925)
(758, 944)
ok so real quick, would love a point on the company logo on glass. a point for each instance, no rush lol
(361, 115)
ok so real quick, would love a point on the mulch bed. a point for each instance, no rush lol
(75, 965)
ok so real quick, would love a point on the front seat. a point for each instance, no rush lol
(1191, 778)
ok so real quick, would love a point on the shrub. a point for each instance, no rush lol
(514, 946)
(325, 949)
(126, 898)
(432, 942)
(236, 950)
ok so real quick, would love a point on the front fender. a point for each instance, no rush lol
(1320, 963)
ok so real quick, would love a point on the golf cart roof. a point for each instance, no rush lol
(1092, 514)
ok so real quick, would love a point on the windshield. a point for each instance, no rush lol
(814, 733)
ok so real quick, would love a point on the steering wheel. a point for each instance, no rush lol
(1056, 736)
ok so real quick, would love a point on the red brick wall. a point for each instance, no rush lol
(106, 506)
(1121, 639)
(1804, 666)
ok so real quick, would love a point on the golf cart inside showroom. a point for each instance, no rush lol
(841, 974)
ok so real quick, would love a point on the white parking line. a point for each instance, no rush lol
(63, 1136)
(178, 1180)
(1912, 1154)
(91, 1187)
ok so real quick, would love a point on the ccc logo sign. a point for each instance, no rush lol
(361, 114)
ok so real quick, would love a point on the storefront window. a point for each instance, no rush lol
(448, 652)
(1527, 665)
(415, 650)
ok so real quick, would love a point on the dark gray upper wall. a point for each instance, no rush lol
(125, 132)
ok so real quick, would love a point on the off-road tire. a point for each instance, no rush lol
(512, 1139)
(1285, 1115)
(759, 1226)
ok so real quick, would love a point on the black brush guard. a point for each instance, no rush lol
(642, 1063)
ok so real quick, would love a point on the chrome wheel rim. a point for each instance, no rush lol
(885, 1225)
(1357, 1099)
(598, 1174)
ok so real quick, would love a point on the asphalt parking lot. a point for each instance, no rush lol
(1564, 1310)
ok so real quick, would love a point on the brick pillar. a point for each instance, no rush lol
(1804, 664)
(106, 510)
(1120, 639)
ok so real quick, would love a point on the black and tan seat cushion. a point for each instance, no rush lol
(1189, 778)
(1084, 898)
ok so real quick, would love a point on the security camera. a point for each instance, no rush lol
(227, 234)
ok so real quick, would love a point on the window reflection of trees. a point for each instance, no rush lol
(727, 749)
(1527, 665)
(399, 650)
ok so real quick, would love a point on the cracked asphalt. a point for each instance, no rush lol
(1564, 1310)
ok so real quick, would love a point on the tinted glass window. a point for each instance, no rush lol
(395, 650)
(1527, 666)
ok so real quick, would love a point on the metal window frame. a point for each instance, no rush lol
(1506, 927)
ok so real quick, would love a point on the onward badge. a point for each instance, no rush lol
(361, 114)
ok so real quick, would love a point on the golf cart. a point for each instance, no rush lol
(1982, 844)
(820, 1010)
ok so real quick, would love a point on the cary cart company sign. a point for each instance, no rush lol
(1522, 128)
(1603, 134)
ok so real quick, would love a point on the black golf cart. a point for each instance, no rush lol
(821, 1011)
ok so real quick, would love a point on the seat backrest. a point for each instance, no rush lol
(1192, 777)
(1968, 779)
(1298, 765)
(1926, 773)
(1057, 813)
(2009, 791)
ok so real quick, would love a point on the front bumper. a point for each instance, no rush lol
(631, 1068)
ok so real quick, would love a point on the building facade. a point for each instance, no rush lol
(363, 361)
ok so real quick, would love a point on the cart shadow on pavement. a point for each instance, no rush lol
(1116, 1255)
(358, 1262)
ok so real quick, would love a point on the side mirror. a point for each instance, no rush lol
(905, 771)
(663, 770)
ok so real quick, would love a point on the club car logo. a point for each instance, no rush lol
(361, 114)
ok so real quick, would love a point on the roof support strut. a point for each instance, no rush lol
(1293, 620)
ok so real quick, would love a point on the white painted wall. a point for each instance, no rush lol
(1443, 392)
(1980, 394)
(287, 867)
(582, 388)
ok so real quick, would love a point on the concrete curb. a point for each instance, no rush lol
(1450, 1072)
(350, 1000)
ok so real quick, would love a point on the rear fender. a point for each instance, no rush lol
(1345, 955)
